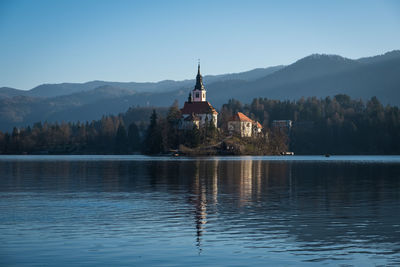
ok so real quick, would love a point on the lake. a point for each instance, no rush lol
(230, 211)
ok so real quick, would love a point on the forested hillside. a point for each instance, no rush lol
(338, 125)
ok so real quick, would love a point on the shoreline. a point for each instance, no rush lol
(138, 157)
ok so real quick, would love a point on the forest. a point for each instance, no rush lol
(337, 125)
(332, 125)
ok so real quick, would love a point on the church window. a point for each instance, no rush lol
(197, 95)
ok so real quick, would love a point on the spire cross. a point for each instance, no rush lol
(198, 66)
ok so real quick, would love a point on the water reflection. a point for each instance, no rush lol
(308, 212)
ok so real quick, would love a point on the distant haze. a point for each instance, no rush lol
(47, 41)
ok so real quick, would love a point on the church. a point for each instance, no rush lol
(197, 111)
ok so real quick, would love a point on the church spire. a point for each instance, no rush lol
(199, 92)
(198, 68)
(199, 79)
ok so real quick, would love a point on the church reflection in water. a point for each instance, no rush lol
(299, 200)
(204, 193)
(242, 182)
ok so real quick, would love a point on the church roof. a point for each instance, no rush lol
(198, 108)
(239, 116)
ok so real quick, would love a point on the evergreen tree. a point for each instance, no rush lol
(153, 141)
(133, 137)
(121, 140)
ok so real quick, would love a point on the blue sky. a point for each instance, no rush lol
(47, 41)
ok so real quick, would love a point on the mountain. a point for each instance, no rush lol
(10, 92)
(321, 76)
(250, 75)
(395, 54)
(83, 106)
(315, 75)
(53, 90)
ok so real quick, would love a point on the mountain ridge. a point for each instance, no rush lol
(59, 89)
(317, 75)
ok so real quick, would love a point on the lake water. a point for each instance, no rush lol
(234, 211)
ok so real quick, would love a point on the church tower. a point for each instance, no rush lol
(197, 111)
(199, 92)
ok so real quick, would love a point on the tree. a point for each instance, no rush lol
(121, 140)
(172, 132)
(133, 137)
(153, 141)
(2, 142)
(211, 130)
(192, 138)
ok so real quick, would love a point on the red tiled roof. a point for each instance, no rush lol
(239, 116)
(198, 108)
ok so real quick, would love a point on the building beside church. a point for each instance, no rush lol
(197, 111)
(282, 125)
(244, 126)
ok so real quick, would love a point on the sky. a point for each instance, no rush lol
(47, 41)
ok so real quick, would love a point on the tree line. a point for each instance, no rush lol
(123, 134)
(333, 125)
(337, 125)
